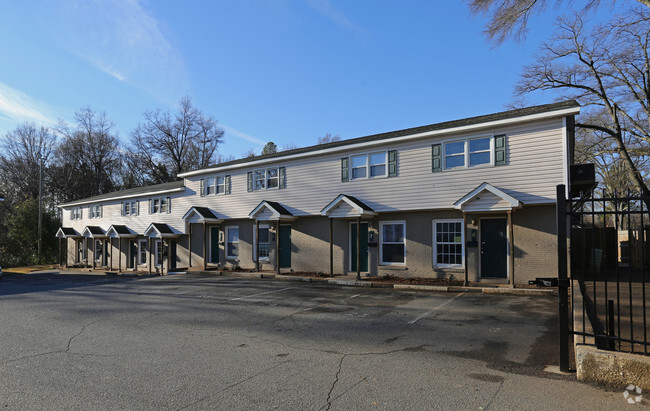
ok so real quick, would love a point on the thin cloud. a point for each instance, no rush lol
(18, 107)
(125, 41)
(242, 135)
(325, 8)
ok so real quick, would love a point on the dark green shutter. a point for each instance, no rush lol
(249, 181)
(436, 158)
(500, 150)
(392, 163)
(226, 183)
(282, 174)
(150, 206)
(345, 175)
(202, 187)
(169, 204)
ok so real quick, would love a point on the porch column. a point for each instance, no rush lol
(60, 251)
(465, 248)
(110, 240)
(331, 246)
(359, 248)
(150, 255)
(205, 246)
(277, 247)
(87, 253)
(119, 255)
(169, 255)
(94, 254)
(189, 243)
(511, 246)
(257, 245)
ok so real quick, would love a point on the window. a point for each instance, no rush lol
(221, 185)
(159, 252)
(467, 153)
(232, 242)
(448, 240)
(368, 165)
(142, 252)
(160, 205)
(209, 186)
(393, 242)
(268, 178)
(263, 242)
(98, 250)
(131, 208)
(95, 211)
(75, 213)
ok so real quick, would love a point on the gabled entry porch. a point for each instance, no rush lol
(63, 234)
(267, 214)
(121, 232)
(162, 247)
(208, 223)
(95, 243)
(350, 208)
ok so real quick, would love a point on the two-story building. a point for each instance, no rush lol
(470, 199)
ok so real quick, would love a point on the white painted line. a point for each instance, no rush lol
(267, 292)
(436, 308)
(355, 296)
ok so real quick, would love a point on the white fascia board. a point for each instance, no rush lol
(539, 116)
(118, 197)
(514, 203)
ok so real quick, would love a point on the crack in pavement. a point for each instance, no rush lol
(336, 380)
(487, 407)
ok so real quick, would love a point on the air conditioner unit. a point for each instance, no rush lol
(582, 179)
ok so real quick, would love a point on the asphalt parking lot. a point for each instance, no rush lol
(80, 341)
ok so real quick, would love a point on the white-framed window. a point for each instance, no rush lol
(209, 186)
(99, 248)
(259, 179)
(142, 251)
(220, 182)
(131, 208)
(160, 205)
(272, 178)
(76, 213)
(268, 178)
(95, 211)
(392, 242)
(470, 152)
(232, 242)
(263, 242)
(159, 252)
(370, 165)
(448, 243)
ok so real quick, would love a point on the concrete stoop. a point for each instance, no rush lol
(612, 368)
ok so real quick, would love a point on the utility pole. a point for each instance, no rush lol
(40, 206)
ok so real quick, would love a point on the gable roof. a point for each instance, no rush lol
(131, 192)
(359, 207)
(159, 230)
(203, 213)
(93, 231)
(499, 201)
(278, 211)
(554, 109)
(120, 231)
(67, 232)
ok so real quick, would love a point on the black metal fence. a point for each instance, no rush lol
(605, 297)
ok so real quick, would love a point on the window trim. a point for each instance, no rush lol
(142, 249)
(367, 166)
(466, 152)
(228, 228)
(95, 211)
(266, 178)
(434, 243)
(382, 242)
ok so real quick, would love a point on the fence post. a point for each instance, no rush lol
(563, 282)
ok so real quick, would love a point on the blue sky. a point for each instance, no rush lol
(286, 71)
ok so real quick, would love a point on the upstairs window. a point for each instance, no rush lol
(468, 153)
(131, 208)
(95, 211)
(209, 186)
(214, 185)
(76, 213)
(270, 178)
(160, 205)
(220, 182)
(370, 165)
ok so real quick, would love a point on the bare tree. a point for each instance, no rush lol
(21, 150)
(88, 159)
(607, 70)
(509, 18)
(328, 138)
(180, 142)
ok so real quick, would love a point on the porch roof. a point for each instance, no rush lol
(201, 214)
(271, 211)
(346, 206)
(93, 231)
(67, 232)
(486, 198)
(160, 230)
(120, 231)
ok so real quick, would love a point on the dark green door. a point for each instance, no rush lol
(285, 246)
(133, 253)
(214, 245)
(172, 254)
(106, 253)
(363, 258)
(494, 248)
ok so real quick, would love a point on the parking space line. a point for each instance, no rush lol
(255, 295)
(436, 308)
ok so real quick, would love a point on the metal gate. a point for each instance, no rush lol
(603, 279)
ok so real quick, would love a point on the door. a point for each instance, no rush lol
(133, 253)
(106, 253)
(158, 252)
(285, 246)
(494, 248)
(363, 258)
(214, 245)
(172, 254)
